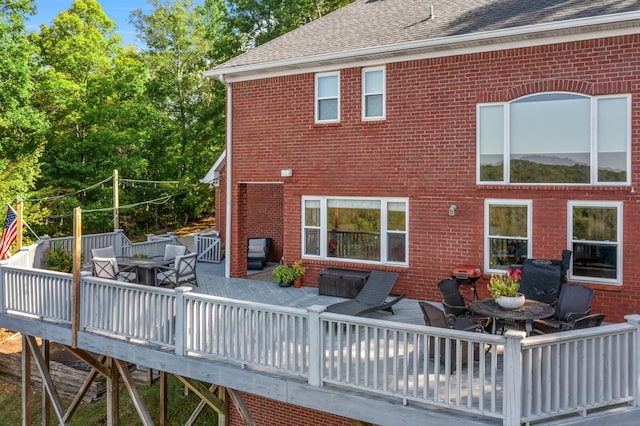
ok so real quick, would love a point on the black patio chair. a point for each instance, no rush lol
(455, 304)
(258, 252)
(574, 303)
(372, 297)
(435, 317)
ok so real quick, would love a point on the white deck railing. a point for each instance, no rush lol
(208, 247)
(512, 378)
(123, 247)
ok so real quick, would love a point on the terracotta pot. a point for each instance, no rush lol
(297, 283)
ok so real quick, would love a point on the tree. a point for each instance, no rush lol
(190, 132)
(264, 20)
(93, 91)
(22, 127)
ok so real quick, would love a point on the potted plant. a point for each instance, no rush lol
(504, 289)
(284, 275)
(58, 258)
(299, 269)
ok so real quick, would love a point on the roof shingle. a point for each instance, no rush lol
(371, 23)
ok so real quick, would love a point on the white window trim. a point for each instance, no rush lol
(383, 93)
(316, 98)
(506, 202)
(383, 231)
(593, 143)
(620, 252)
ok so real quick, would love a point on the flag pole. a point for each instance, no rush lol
(20, 208)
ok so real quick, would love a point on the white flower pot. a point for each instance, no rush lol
(507, 302)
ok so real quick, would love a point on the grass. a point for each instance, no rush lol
(180, 407)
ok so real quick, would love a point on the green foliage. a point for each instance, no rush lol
(505, 285)
(59, 259)
(263, 20)
(299, 269)
(283, 274)
(75, 104)
(22, 127)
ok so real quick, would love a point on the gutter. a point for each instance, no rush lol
(229, 151)
(508, 34)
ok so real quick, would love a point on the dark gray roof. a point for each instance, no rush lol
(367, 24)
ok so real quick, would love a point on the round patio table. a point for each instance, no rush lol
(531, 310)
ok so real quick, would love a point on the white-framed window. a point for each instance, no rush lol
(356, 229)
(373, 93)
(327, 94)
(594, 233)
(555, 138)
(507, 230)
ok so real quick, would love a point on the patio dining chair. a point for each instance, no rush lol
(171, 251)
(183, 272)
(435, 317)
(455, 304)
(574, 303)
(107, 267)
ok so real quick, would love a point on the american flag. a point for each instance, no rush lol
(9, 233)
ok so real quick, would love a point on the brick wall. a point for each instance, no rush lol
(269, 412)
(426, 150)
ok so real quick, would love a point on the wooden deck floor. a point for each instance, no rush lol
(211, 281)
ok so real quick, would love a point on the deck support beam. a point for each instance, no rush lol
(26, 382)
(85, 388)
(136, 398)
(47, 382)
(112, 393)
(46, 401)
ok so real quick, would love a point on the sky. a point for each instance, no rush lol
(117, 10)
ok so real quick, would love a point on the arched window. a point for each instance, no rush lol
(555, 138)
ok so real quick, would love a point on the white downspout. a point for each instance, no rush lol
(227, 258)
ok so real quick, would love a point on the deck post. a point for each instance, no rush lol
(315, 344)
(181, 319)
(26, 381)
(118, 242)
(512, 407)
(635, 366)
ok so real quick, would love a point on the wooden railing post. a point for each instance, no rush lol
(512, 404)
(635, 367)
(315, 345)
(181, 319)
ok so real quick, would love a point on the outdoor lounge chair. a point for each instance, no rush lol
(372, 297)
(258, 252)
(107, 267)
(182, 273)
(573, 304)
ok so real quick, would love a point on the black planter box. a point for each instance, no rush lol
(341, 282)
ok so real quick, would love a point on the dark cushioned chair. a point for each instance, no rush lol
(573, 304)
(258, 252)
(372, 297)
(455, 304)
(435, 317)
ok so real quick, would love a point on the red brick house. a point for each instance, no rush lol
(396, 135)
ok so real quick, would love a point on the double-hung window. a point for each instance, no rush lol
(327, 96)
(595, 237)
(555, 138)
(373, 93)
(507, 225)
(356, 229)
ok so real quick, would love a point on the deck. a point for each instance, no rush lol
(259, 338)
